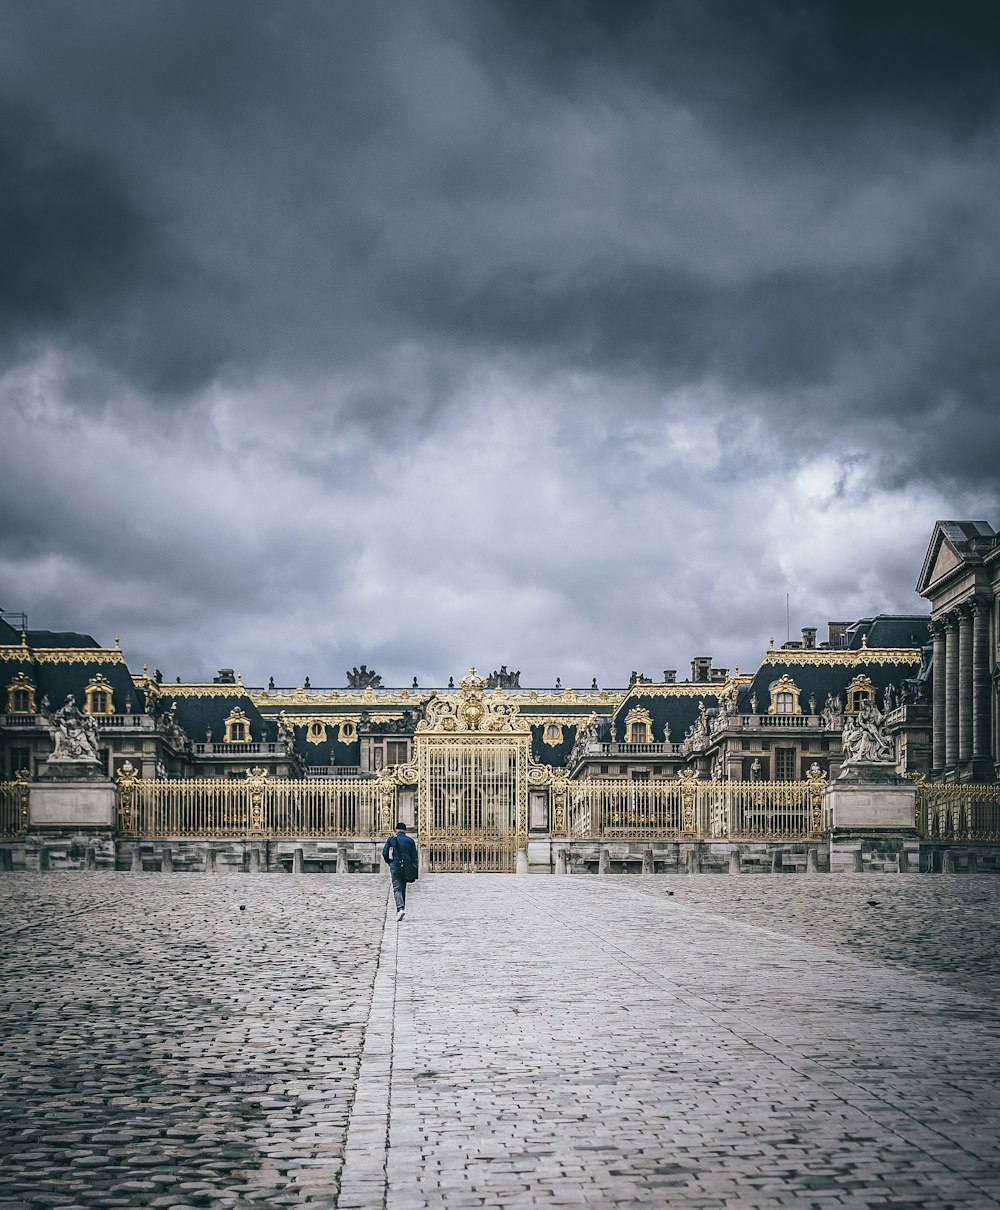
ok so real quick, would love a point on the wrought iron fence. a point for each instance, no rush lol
(254, 806)
(685, 808)
(958, 812)
(14, 805)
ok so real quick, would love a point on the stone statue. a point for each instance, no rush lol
(865, 741)
(831, 712)
(755, 769)
(502, 679)
(75, 734)
(362, 678)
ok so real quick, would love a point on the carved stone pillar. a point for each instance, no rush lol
(939, 676)
(951, 691)
(981, 746)
(964, 684)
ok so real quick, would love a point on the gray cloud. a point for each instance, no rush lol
(580, 331)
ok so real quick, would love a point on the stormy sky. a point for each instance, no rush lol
(565, 335)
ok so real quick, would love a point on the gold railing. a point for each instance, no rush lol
(685, 808)
(255, 806)
(14, 805)
(958, 812)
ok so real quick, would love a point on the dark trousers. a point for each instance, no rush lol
(398, 887)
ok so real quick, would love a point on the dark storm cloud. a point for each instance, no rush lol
(693, 272)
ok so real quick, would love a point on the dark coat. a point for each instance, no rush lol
(400, 845)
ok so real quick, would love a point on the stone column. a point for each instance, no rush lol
(981, 746)
(938, 686)
(964, 684)
(951, 691)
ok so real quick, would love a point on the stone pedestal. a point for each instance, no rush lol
(872, 810)
(70, 796)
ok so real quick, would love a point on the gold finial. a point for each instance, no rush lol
(24, 636)
(770, 642)
(118, 642)
(145, 670)
(864, 640)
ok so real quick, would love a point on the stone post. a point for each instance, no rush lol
(964, 684)
(135, 866)
(604, 862)
(947, 862)
(735, 862)
(951, 692)
(812, 861)
(647, 862)
(167, 862)
(873, 809)
(776, 862)
(938, 716)
(342, 866)
(693, 862)
(560, 861)
(254, 859)
(297, 861)
(522, 861)
(424, 860)
(90, 858)
(973, 863)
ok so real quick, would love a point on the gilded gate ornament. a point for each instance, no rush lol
(21, 779)
(688, 779)
(256, 781)
(816, 780)
(127, 778)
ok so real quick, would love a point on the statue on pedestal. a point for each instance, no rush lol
(864, 738)
(75, 734)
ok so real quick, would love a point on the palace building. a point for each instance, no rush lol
(935, 679)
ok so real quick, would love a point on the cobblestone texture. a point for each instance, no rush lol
(161, 1047)
(741, 1042)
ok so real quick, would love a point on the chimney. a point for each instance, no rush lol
(701, 668)
(837, 631)
(809, 637)
(669, 676)
(719, 674)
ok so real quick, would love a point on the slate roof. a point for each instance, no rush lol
(678, 710)
(197, 713)
(888, 630)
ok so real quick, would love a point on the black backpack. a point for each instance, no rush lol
(408, 865)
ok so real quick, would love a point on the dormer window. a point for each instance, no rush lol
(860, 693)
(784, 696)
(638, 726)
(552, 734)
(237, 727)
(21, 695)
(98, 696)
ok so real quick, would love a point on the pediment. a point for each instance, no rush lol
(941, 558)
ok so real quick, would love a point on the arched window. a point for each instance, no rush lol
(860, 692)
(21, 695)
(316, 731)
(98, 696)
(784, 696)
(638, 726)
(237, 727)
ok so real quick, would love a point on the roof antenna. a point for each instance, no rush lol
(788, 629)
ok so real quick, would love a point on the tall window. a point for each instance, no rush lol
(784, 764)
(21, 695)
(20, 758)
(638, 733)
(784, 703)
(237, 727)
(395, 752)
(98, 696)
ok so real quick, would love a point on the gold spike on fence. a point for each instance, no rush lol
(14, 805)
(968, 811)
(255, 806)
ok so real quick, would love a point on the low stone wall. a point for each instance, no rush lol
(687, 857)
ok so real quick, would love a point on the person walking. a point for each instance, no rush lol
(400, 854)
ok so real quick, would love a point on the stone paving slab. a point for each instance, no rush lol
(563, 1041)
(577, 1041)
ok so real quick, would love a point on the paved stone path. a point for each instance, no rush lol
(757, 1041)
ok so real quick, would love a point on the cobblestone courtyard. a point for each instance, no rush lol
(189, 1040)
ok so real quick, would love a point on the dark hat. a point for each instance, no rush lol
(401, 827)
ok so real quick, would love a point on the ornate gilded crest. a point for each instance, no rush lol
(475, 709)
